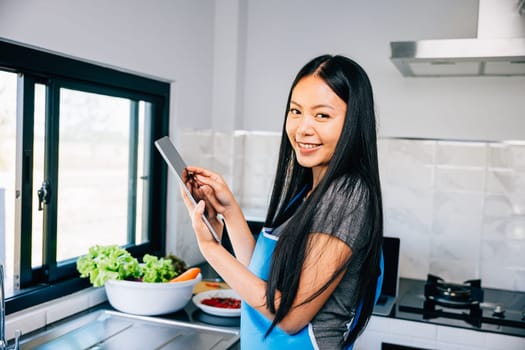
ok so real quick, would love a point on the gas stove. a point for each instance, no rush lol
(466, 305)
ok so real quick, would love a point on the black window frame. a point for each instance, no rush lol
(34, 66)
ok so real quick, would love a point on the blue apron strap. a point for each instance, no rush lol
(377, 295)
(381, 276)
(296, 197)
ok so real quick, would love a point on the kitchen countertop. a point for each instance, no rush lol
(194, 316)
(104, 328)
(190, 319)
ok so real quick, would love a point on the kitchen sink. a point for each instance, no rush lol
(108, 329)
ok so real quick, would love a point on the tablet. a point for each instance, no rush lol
(177, 165)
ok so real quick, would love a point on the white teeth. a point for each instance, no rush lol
(307, 145)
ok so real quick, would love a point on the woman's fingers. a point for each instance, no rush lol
(211, 199)
(187, 201)
(213, 189)
(202, 171)
(205, 193)
(206, 177)
(214, 181)
(196, 220)
(221, 192)
(196, 212)
(202, 231)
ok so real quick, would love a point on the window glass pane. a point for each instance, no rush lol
(143, 178)
(93, 182)
(8, 90)
(38, 173)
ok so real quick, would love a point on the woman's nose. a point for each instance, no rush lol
(305, 126)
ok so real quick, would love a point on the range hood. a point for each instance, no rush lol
(498, 50)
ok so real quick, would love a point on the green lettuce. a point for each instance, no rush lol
(156, 270)
(112, 262)
(104, 263)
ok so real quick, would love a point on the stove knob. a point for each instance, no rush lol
(499, 311)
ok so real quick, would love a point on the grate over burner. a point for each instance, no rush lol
(467, 295)
(464, 305)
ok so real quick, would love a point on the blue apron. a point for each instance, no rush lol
(254, 325)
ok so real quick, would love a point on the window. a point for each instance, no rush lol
(77, 168)
(7, 165)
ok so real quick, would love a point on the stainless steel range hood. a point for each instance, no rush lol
(499, 49)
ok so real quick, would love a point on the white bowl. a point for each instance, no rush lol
(148, 299)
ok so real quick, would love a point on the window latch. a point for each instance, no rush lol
(44, 193)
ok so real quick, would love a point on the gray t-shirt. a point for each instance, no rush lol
(340, 213)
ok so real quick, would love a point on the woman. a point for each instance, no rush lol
(310, 280)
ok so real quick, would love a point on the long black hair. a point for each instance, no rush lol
(355, 158)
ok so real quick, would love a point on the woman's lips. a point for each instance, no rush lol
(306, 148)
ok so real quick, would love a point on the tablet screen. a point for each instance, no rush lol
(178, 166)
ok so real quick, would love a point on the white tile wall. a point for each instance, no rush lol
(70, 306)
(467, 217)
(26, 321)
(507, 155)
(462, 154)
(44, 314)
(458, 207)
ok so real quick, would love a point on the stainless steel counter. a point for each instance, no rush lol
(103, 327)
(109, 329)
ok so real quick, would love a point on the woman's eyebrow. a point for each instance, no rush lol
(321, 105)
(295, 103)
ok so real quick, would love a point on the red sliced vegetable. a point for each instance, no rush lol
(224, 303)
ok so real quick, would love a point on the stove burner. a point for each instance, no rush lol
(465, 303)
(466, 295)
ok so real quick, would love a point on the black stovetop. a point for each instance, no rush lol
(488, 317)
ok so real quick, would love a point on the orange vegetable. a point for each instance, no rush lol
(187, 275)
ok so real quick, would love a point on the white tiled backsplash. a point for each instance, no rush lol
(458, 207)
(36, 317)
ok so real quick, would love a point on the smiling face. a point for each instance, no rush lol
(314, 124)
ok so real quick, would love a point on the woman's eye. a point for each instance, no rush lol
(294, 111)
(322, 116)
